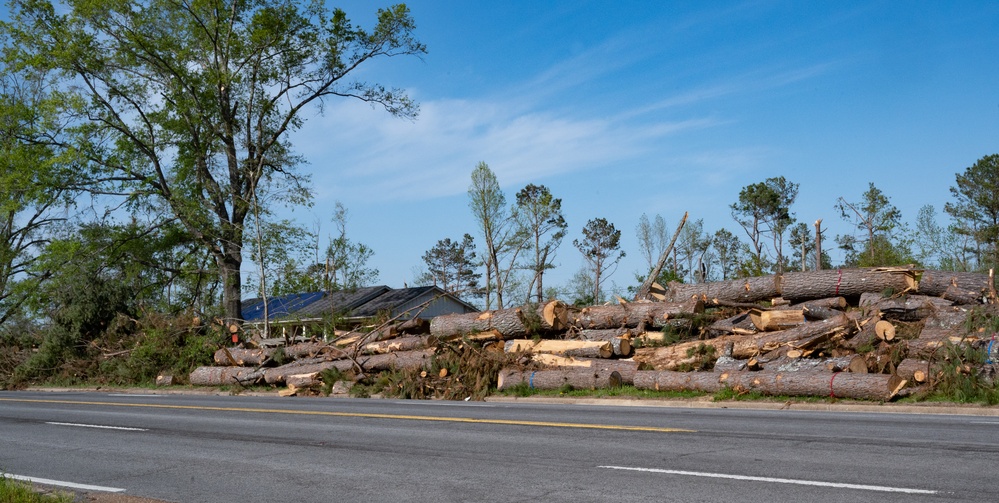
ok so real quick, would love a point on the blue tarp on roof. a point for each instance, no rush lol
(278, 307)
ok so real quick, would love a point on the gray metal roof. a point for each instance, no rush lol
(360, 303)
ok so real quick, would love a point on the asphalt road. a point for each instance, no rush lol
(255, 449)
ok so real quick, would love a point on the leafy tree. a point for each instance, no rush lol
(802, 242)
(692, 249)
(451, 266)
(34, 174)
(728, 251)
(976, 208)
(539, 217)
(601, 248)
(653, 237)
(879, 221)
(488, 205)
(765, 209)
(190, 105)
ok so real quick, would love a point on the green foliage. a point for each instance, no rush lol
(601, 248)
(765, 209)
(451, 266)
(976, 208)
(539, 219)
(15, 491)
(960, 375)
(883, 241)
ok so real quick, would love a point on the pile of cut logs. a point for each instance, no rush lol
(850, 333)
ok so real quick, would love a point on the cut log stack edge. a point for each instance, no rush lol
(822, 333)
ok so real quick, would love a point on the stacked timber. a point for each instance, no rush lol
(845, 333)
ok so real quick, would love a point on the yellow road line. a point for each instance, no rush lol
(510, 422)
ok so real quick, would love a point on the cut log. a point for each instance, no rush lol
(299, 381)
(508, 323)
(914, 370)
(221, 376)
(586, 349)
(620, 339)
(398, 344)
(651, 314)
(626, 368)
(800, 286)
(768, 321)
(555, 379)
(306, 350)
(905, 308)
(414, 326)
(853, 363)
(278, 375)
(880, 387)
(241, 357)
(743, 346)
(667, 380)
(399, 360)
(727, 363)
(554, 316)
(960, 287)
(754, 289)
(932, 340)
(884, 330)
(740, 324)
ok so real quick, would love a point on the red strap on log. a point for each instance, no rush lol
(832, 394)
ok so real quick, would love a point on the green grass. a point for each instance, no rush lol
(15, 491)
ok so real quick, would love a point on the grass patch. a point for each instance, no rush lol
(15, 491)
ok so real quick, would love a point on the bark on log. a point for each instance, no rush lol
(242, 357)
(880, 387)
(740, 324)
(949, 319)
(960, 287)
(668, 380)
(932, 341)
(299, 381)
(907, 308)
(585, 349)
(631, 315)
(769, 321)
(754, 289)
(743, 346)
(853, 363)
(508, 323)
(620, 339)
(555, 379)
(398, 344)
(400, 360)
(415, 326)
(800, 286)
(626, 368)
(913, 370)
(278, 375)
(306, 350)
(221, 376)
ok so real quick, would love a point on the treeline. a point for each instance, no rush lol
(521, 240)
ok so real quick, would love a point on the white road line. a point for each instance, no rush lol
(776, 480)
(985, 422)
(60, 483)
(122, 428)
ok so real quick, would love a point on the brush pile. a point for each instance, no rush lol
(852, 333)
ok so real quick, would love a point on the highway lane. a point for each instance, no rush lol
(210, 448)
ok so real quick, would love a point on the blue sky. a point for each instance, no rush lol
(623, 108)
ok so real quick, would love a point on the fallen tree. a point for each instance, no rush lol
(576, 378)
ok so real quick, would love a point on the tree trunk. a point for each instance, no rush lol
(556, 379)
(626, 368)
(398, 344)
(278, 375)
(634, 314)
(585, 349)
(801, 286)
(232, 285)
(768, 321)
(914, 370)
(907, 308)
(960, 287)
(754, 289)
(852, 363)
(643, 291)
(399, 360)
(554, 316)
(880, 387)
(620, 339)
(415, 326)
(668, 380)
(509, 323)
(242, 357)
(221, 376)
(932, 341)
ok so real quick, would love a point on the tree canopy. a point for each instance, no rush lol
(186, 106)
